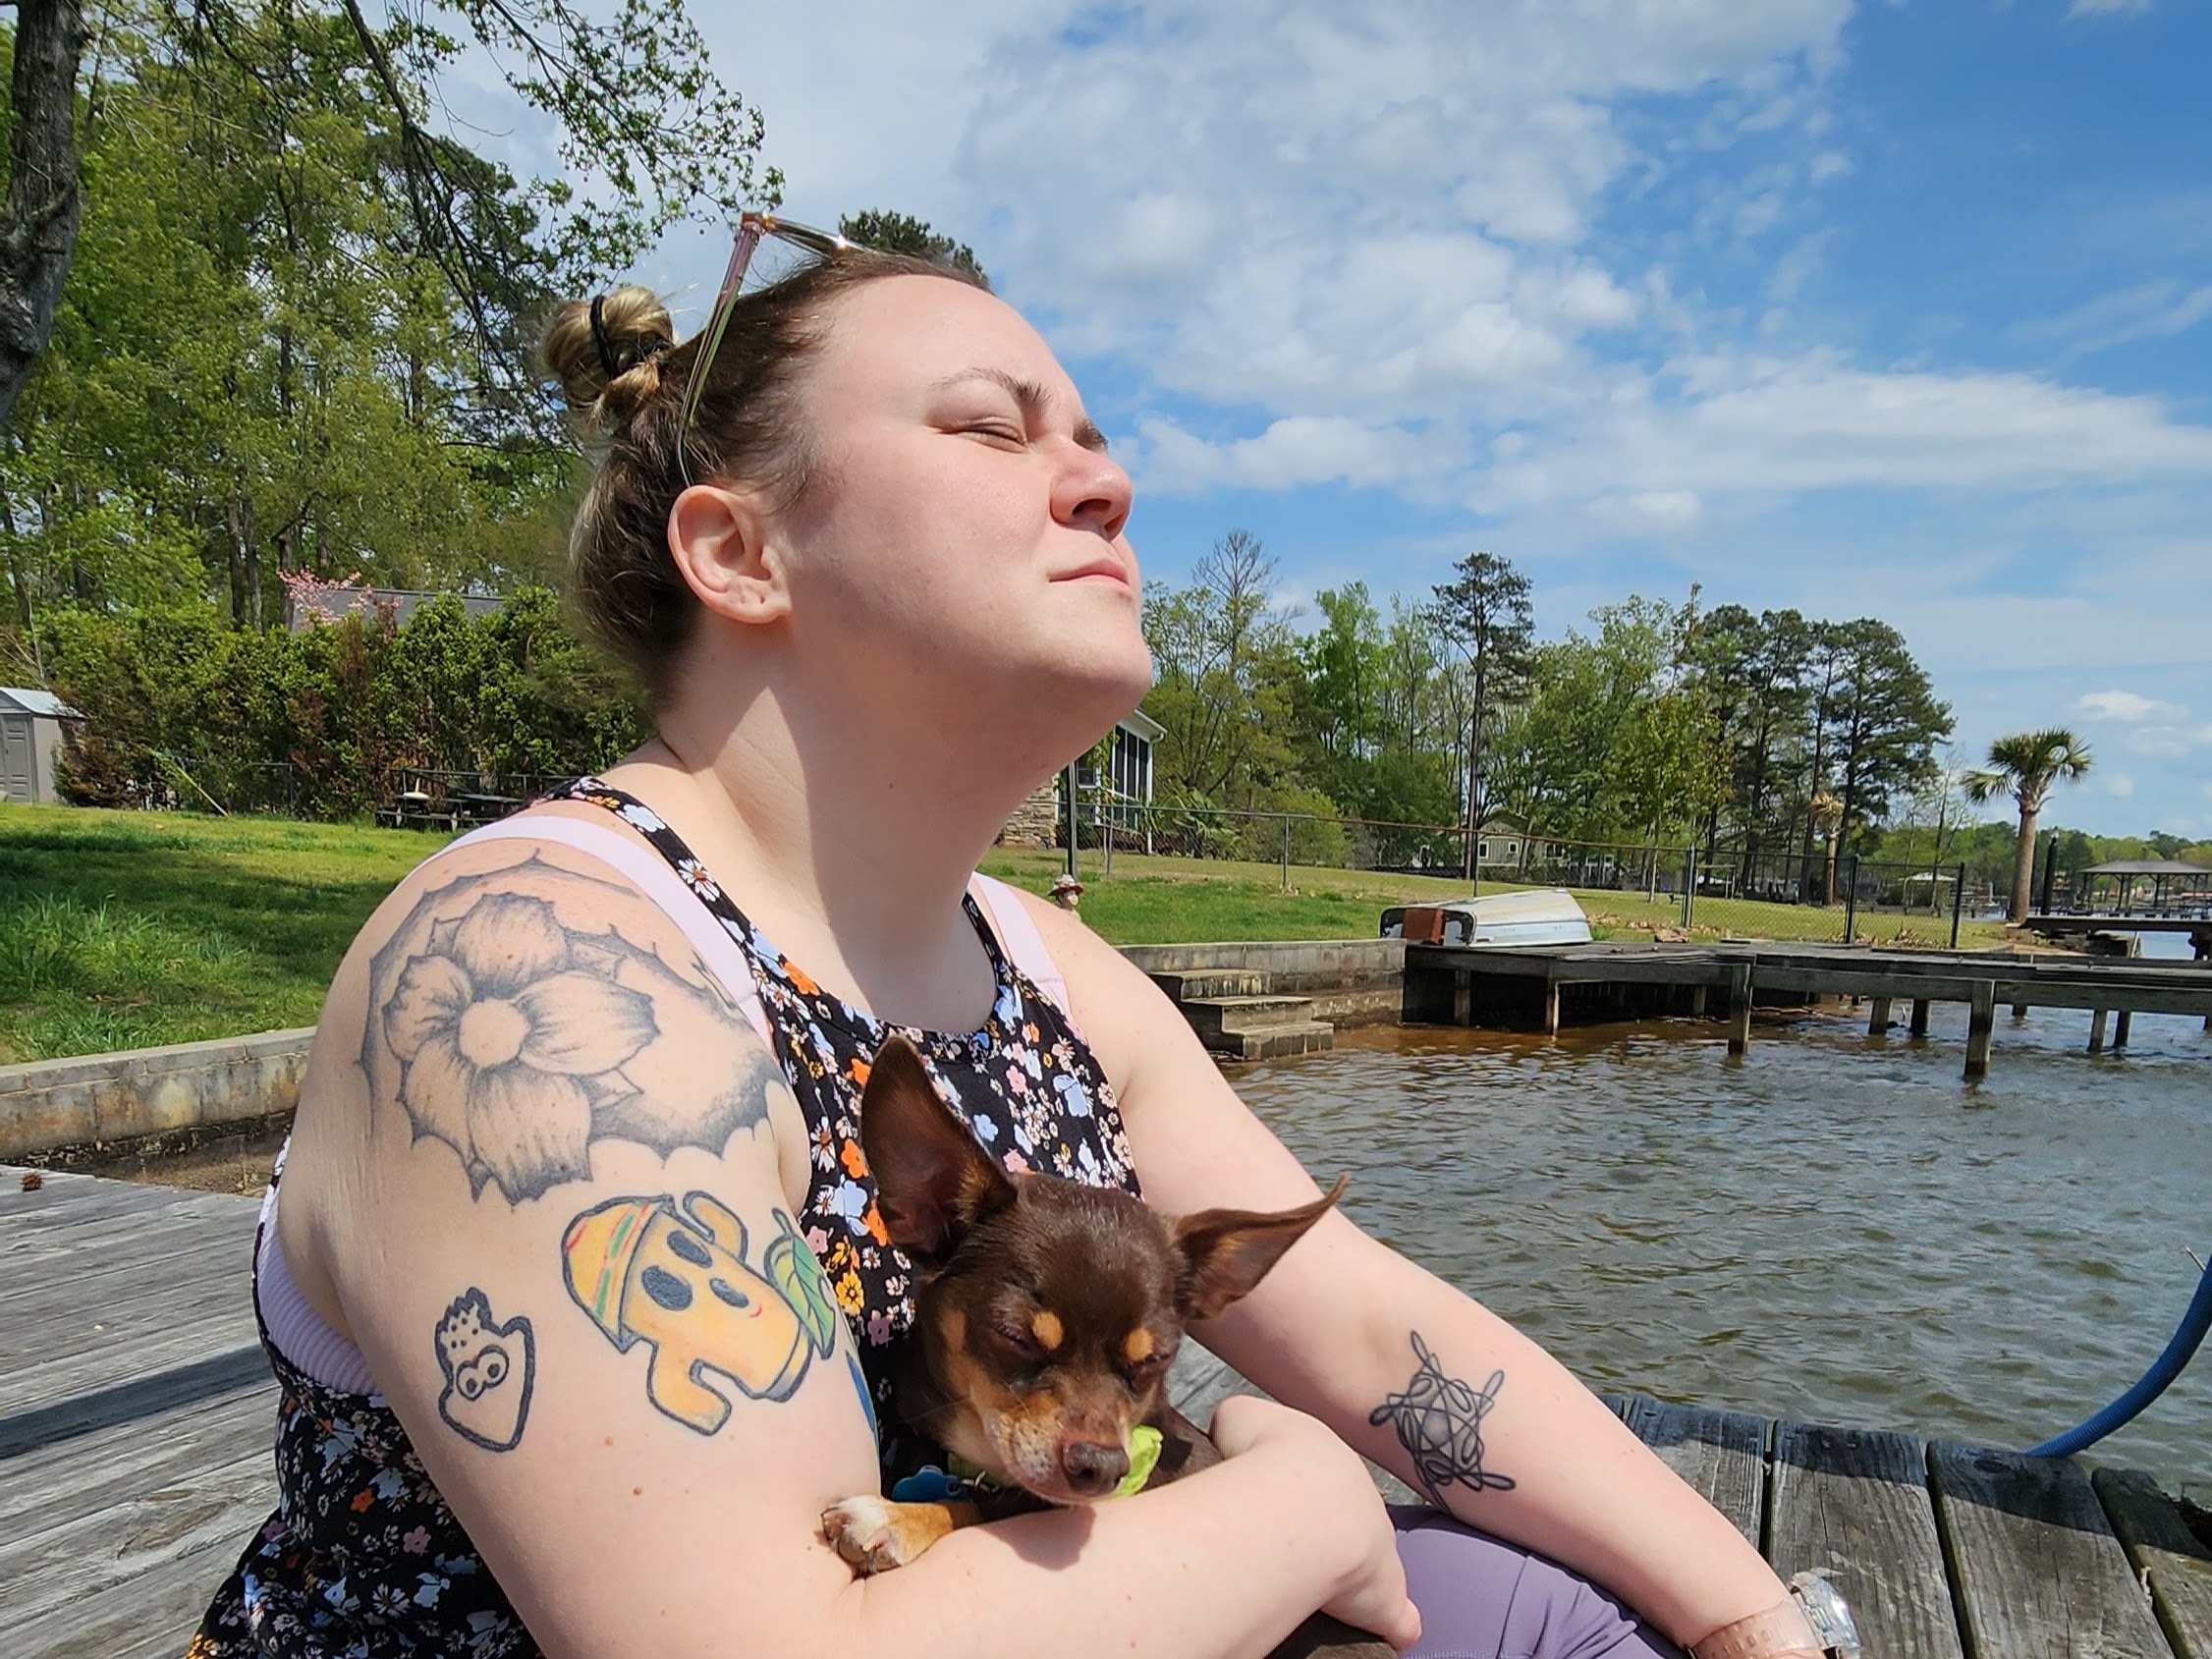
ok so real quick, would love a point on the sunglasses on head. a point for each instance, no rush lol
(804, 242)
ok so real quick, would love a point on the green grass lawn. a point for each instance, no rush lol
(124, 929)
(121, 929)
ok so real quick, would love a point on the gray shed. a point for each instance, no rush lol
(31, 742)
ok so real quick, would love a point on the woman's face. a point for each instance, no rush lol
(959, 542)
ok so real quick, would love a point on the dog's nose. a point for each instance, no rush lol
(1092, 1467)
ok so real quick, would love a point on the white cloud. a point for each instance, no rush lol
(2108, 8)
(2127, 707)
(2118, 784)
(2152, 310)
(1295, 451)
(1725, 426)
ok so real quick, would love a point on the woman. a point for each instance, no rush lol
(558, 1365)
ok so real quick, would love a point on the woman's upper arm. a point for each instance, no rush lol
(565, 1248)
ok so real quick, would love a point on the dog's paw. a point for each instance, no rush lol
(866, 1532)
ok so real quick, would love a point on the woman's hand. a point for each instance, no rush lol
(1370, 1594)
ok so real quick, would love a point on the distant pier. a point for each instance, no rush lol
(1548, 986)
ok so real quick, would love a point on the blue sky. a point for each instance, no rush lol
(1901, 309)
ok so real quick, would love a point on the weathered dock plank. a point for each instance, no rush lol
(152, 1614)
(1722, 1453)
(66, 1203)
(2038, 1572)
(53, 1421)
(152, 1348)
(129, 1459)
(2173, 1560)
(1855, 1504)
(213, 1514)
(206, 1293)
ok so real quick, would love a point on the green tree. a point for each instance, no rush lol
(1224, 664)
(2026, 766)
(642, 119)
(1483, 612)
(257, 371)
(1885, 722)
(1614, 740)
(1753, 672)
(903, 233)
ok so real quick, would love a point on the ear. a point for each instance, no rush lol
(934, 1180)
(1226, 1252)
(718, 538)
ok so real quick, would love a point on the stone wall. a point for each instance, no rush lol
(1351, 981)
(104, 1098)
(1036, 821)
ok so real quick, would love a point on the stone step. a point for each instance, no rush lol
(1276, 1043)
(1183, 984)
(1212, 1017)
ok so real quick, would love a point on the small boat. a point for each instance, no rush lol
(1545, 916)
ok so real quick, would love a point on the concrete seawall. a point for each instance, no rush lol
(110, 1098)
(1350, 981)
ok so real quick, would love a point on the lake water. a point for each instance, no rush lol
(1833, 1227)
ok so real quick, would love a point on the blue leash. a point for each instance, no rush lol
(2164, 1369)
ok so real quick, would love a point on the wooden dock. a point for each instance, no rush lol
(135, 1419)
(1467, 985)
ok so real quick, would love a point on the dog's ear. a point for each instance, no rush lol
(934, 1180)
(1226, 1252)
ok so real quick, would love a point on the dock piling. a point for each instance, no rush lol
(2097, 1032)
(2020, 1011)
(1878, 1021)
(1739, 1007)
(1551, 1006)
(1981, 1023)
(1919, 1026)
(2120, 1027)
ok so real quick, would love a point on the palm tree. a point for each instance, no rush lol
(2026, 766)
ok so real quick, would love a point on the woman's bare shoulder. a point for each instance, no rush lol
(511, 1005)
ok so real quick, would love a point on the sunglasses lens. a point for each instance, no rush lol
(767, 252)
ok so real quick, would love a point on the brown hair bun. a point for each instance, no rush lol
(606, 353)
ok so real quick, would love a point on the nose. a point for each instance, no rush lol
(1092, 1467)
(1092, 493)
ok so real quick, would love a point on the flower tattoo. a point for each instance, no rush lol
(517, 1037)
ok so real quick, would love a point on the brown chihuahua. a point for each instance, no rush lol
(1047, 1313)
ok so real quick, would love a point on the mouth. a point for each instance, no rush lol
(1098, 570)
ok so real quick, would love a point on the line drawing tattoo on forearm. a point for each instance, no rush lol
(511, 1023)
(1439, 1422)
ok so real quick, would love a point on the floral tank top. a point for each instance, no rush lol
(362, 1556)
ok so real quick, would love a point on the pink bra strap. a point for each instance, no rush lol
(1024, 945)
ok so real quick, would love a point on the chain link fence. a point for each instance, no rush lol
(1672, 892)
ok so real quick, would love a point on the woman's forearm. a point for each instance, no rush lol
(1206, 1568)
(1461, 1407)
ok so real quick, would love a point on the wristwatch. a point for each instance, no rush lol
(1814, 1621)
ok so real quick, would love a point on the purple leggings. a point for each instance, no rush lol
(1482, 1599)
